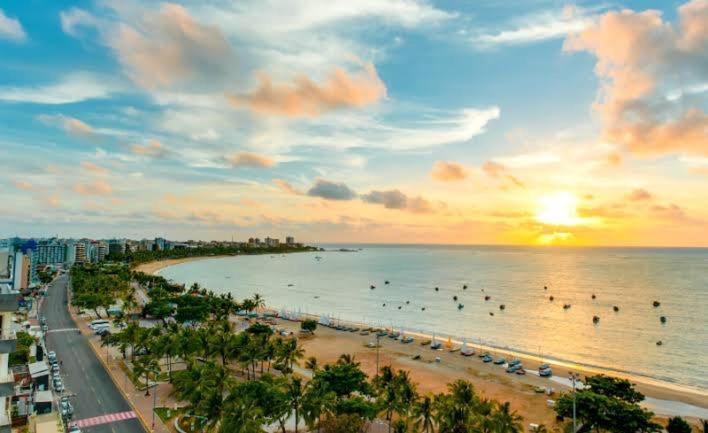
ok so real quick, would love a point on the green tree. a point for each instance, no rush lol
(148, 368)
(506, 420)
(308, 325)
(423, 414)
(678, 425)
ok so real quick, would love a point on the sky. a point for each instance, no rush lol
(400, 121)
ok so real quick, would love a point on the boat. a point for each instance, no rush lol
(434, 344)
(454, 349)
(365, 332)
(551, 298)
(656, 304)
(448, 343)
(386, 282)
(464, 287)
(372, 287)
(425, 342)
(484, 354)
(543, 366)
(460, 306)
(407, 339)
(545, 372)
(662, 319)
(566, 306)
(437, 289)
(487, 297)
(394, 335)
(521, 371)
(616, 308)
(454, 298)
(515, 361)
(500, 361)
(381, 334)
(466, 350)
(593, 296)
(596, 319)
(487, 358)
(502, 307)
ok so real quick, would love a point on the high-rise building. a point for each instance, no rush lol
(160, 244)
(101, 251)
(21, 271)
(290, 240)
(70, 252)
(51, 252)
(8, 344)
(270, 242)
(81, 254)
(116, 246)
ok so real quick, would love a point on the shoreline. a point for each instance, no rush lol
(660, 395)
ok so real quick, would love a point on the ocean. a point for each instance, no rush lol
(338, 285)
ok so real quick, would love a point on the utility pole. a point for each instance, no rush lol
(377, 354)
(574, 377)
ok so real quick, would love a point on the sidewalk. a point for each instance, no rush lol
(142, 405)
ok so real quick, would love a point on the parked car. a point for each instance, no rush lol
(52, 356)
(55, 369)
(67, 411)
(74, 429)
(58, 384)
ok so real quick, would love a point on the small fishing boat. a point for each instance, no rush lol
(515, 361)
(381, 334)
(437, 289)
(422, 309)
(372, 287)
(482, 355)
(514, 368)
(521, 371)
(290, 285)
(399, 307)
(545, 372)
(434, 344)
(656, 304)
(487, 359)
(464, 287)
(499, 361)
(566, 306)
(491, 313)
(596, 319)
(386, 282)
(616, 308)
(659, 343)
(448, 343)
(460, 306)
(550, 298)
(425, 342)
(593, 296)
(407, 339)
(662, 319)
(502, 307)
(364, 332)
(466, 350)
(487, 297)
(454, 298)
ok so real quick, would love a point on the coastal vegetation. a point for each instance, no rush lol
(137, 257)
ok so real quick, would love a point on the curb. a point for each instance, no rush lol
(127, 398)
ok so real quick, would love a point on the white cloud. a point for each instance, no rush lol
(75, 87)
(11, 28)
(74, 18)
(536, 27)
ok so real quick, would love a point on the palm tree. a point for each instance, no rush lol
(146, 366)
(506, 420)
(423, 414)
(317, 402)
(258, 302)
(294, 393)
(311, 364)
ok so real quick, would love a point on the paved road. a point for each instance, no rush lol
(82, 373)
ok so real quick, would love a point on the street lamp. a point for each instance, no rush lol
(377, 353)
(574, 377)
(154, 396)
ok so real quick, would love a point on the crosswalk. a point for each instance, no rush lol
(104, 419)
(63, 330)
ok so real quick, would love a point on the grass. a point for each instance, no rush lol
(165, 413)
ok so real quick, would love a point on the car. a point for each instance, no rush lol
(58, 384)
(74, 429)
(55, 369)
(52, 355)
(67, 411)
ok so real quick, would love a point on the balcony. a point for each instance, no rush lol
(7, 385)
(9, 302)
(8, 342)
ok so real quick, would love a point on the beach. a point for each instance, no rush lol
(490, 380)
(157, 266)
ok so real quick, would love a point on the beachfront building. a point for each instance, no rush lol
(8, 344)
(20, 271)
(51, 252)
(116, 246)
(272, 243)
(290, 240)
(160, 244)
(80, 252)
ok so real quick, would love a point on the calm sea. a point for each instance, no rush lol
(338, 285)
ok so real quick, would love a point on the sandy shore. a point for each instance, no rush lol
(157, 266)
(490, 380)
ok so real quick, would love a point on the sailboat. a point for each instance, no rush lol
(466, 350)
(448, 343)
(435, 344)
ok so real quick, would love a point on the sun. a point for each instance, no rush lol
(558, 209)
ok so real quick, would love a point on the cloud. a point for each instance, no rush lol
(286, 187)
(11, 28)
(499, 171)
(640, 59)
(536, 27)
(166, 47)
(639, 194)
(395, 199)
(74, 87)
(613, 159)
(331, 190)
(249, 159)
(71, 125)
(98, 187)
(391, 199)
(695, 164)
(674, 213)
(22, 184)
(154, 148)
(304, 97)
(93, 168)
(75, 18)
(446, 171)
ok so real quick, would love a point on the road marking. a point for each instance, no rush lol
(62, 330)
(104, 419)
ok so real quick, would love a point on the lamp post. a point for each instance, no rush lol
(573, 378)
(154, 397)
(377, 354)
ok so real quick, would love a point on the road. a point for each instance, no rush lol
(82, 373)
